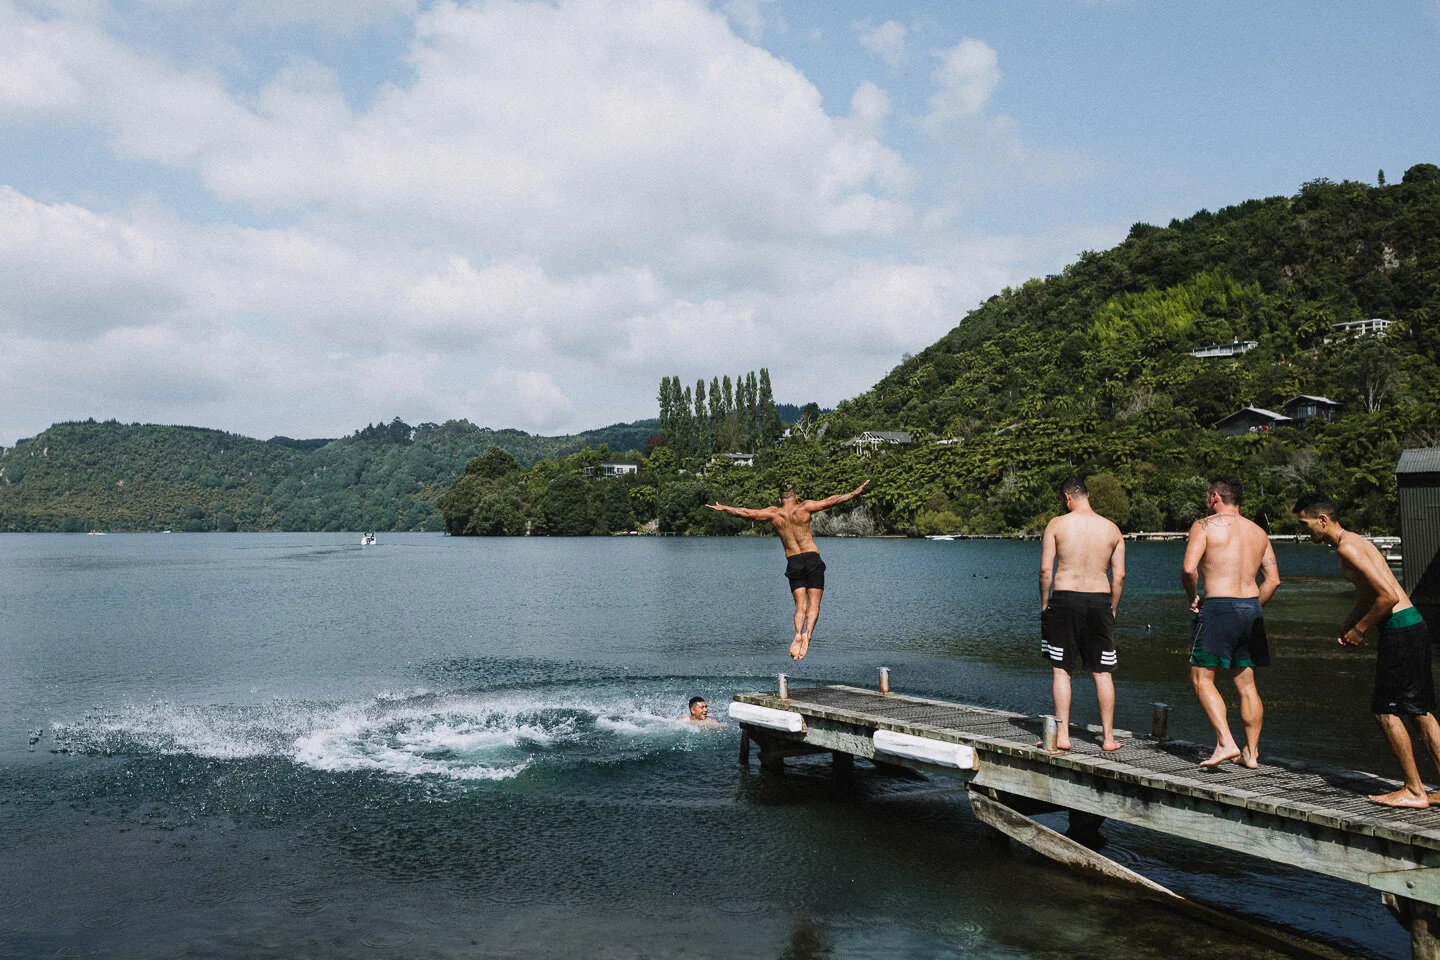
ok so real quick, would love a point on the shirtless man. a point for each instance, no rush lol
(1228, 632)
(1403, 684)
(1077, 619)
(804, 568)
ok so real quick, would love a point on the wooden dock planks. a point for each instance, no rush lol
(1298, 790)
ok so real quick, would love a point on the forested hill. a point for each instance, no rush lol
(1090, 370)
(114, 476)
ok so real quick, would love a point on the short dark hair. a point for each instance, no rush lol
(1231, 493)
(1315, 504)
(1074, 486)
(695, 700)
(786, 487)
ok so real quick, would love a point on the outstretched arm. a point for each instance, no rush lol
(745, 512)
(815, 506)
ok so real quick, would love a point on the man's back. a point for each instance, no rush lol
(1084, 545)
(1232, 550)
(792, 525)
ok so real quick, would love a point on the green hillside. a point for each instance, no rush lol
(1090, 372)
(114, 476)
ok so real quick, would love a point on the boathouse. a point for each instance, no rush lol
(1418, 477)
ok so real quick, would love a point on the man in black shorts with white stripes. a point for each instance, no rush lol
(1077, 616)
(803, 567)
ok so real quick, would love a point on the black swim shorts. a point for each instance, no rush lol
(805, 570)
(1077, 624)
(1403, 684)
(1229, 633)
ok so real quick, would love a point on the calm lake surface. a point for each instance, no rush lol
(283, 745)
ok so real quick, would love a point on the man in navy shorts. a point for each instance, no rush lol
(1228, 552)
(1404, 687)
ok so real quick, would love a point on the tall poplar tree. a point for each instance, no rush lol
(771, 426)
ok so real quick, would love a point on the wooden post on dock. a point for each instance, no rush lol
(744, 748)
(1421, 920)
(1160, 722)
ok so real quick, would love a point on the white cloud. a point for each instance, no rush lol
(520, 396)
(966, 79)
(886, 41)
(562, 198)
(749, 16)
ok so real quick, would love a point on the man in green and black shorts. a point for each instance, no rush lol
(1404, 687)
(1228, 552)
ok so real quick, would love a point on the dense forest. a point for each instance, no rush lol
(386, 476)
(1091, 372)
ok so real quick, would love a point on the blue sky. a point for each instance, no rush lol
(298, 218)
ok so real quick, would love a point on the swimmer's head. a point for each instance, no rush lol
(699, 709)
(787, 491)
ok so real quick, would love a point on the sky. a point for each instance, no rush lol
(301, 217)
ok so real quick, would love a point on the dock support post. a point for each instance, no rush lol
(1423, 922)
(783, 687)
(745, 748)
(842, 764)
(1084, 828)
(1160, 722)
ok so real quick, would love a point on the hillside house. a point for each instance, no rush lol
(1225, 350)
(734, 459)
(610, 469)
(1363, 328)
(1305, 407)
(1252, 420)
(875, 439)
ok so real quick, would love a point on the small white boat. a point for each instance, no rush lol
(368, 540)
(938, 536)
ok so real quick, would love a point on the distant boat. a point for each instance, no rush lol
(935, 536)
(97, 533)
(368, 540)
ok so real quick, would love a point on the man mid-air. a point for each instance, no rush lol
(804, 568)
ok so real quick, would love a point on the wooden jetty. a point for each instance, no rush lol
(1305, 815)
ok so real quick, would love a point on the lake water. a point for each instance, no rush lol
(281, 745)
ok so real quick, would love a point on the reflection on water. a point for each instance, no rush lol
(458, 748)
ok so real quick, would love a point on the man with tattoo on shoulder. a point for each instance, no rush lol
(1227, 552)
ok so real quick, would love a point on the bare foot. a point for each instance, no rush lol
(1433, 797)
(1246, 760)
(1401, 798)
(1221, 755)
(797, 646)
(1059, 743)
(1110, 746)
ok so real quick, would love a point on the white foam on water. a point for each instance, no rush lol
(465, 737)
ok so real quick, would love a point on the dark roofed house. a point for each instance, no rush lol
(1252, 420)
(1305, 407)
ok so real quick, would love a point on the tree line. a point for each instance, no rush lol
(728, 417)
